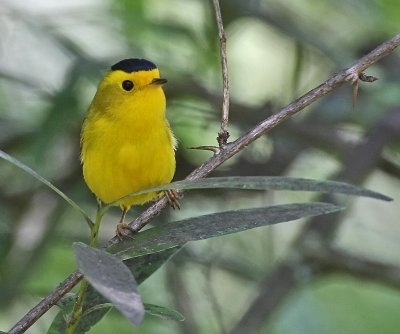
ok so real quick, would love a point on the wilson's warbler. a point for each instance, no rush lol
(126, 141)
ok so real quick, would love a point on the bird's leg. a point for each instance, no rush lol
(122, 226)
(173, 198)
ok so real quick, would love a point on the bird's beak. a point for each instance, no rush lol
(158, 81)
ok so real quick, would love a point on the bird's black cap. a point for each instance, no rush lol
(134, 65)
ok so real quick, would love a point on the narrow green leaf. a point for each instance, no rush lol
(266, 183)
(94, 309)
(59, 324)
(112, 279)
(143, 267)
(99, 307)
(66, 303)
(202, 227)
(40, 178)
(277, 183)
(95, 306)
(163, 312)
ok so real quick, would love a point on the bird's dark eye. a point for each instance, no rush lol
(127, 85)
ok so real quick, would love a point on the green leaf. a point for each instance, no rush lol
(98, 307)
(217, 224)
(265, 183)
(59, 324)
(95, 306)
(143, 267)
(40, 178)
(277, 183)
(163, 312)
(112, 279)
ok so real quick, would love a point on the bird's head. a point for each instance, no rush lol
(130, 80)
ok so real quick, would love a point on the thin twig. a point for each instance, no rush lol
(213, 149)
(223, 134)
(225, 153)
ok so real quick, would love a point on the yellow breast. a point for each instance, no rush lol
(127, 144)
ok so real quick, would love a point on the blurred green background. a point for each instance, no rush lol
(52, 55)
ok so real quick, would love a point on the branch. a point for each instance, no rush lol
(34, 314)
(359, 162)
(334, 260)
(271, 292)
(224, 154)
(292, 273)
(223, 134)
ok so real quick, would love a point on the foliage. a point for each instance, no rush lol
(52, 59)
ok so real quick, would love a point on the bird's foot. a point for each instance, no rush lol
(173, 198)
(122, 229)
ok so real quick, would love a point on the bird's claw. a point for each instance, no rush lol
(173, 198)
(121, 231)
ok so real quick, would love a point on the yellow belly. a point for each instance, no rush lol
(121, 161)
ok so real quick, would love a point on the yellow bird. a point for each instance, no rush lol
(126, 141)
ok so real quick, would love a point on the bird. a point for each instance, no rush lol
(126, 141)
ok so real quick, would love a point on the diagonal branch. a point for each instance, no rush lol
(226, 152)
